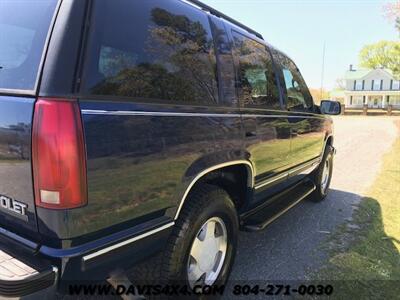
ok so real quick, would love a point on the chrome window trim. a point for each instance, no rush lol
(154, 114)
(184, 114)
(126, 242)
(213, 168)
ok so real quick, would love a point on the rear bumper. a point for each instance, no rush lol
(39, 268)
(23, 274)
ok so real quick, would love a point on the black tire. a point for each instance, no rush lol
(322, 190)
(204, 202)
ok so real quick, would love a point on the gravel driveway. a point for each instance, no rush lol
(289, 248)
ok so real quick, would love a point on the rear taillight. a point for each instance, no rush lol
(58, 154)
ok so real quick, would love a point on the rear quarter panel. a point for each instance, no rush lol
(15, 164)
(142, 157)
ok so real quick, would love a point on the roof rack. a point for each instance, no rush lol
(221, 15)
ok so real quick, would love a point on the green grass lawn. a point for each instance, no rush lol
(369, 267)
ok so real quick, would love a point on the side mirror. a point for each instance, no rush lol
(329, 107)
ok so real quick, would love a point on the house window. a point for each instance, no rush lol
(358, 100)
(376, 85)
(395, 84)
(358, 85)
(351, 100)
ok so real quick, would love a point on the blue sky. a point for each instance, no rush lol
(300, 28)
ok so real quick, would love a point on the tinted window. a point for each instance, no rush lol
(24, 25)
(298, 96)
(295, 97)
(226, 70)
(151, 49)
(257, 81)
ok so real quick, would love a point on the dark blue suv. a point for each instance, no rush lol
(135, 128)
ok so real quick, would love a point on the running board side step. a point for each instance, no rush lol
(260, 219)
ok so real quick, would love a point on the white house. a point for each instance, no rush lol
(376, 88)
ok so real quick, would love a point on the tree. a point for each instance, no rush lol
(384, 54)
(397, 25)
(392, 12)
(317, 96)
(340, 84)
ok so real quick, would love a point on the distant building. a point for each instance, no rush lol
(376, 88)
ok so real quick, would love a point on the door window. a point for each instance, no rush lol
(297, 95)
(257, 81)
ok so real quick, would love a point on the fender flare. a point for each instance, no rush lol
(250, 178)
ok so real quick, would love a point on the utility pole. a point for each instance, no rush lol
(323, 70)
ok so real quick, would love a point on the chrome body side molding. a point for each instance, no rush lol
(272, 180)
(126, 242)
(180, 114)
(303, 167)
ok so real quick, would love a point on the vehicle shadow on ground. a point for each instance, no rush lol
(294, 247)
(297, 244)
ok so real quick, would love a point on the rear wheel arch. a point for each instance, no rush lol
(207, 203)
(236, 178)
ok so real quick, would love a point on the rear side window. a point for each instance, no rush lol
(161, 50)
(256, 76)
(24, 25)
(226, 69)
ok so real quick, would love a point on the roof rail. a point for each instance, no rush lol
(221, 15)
